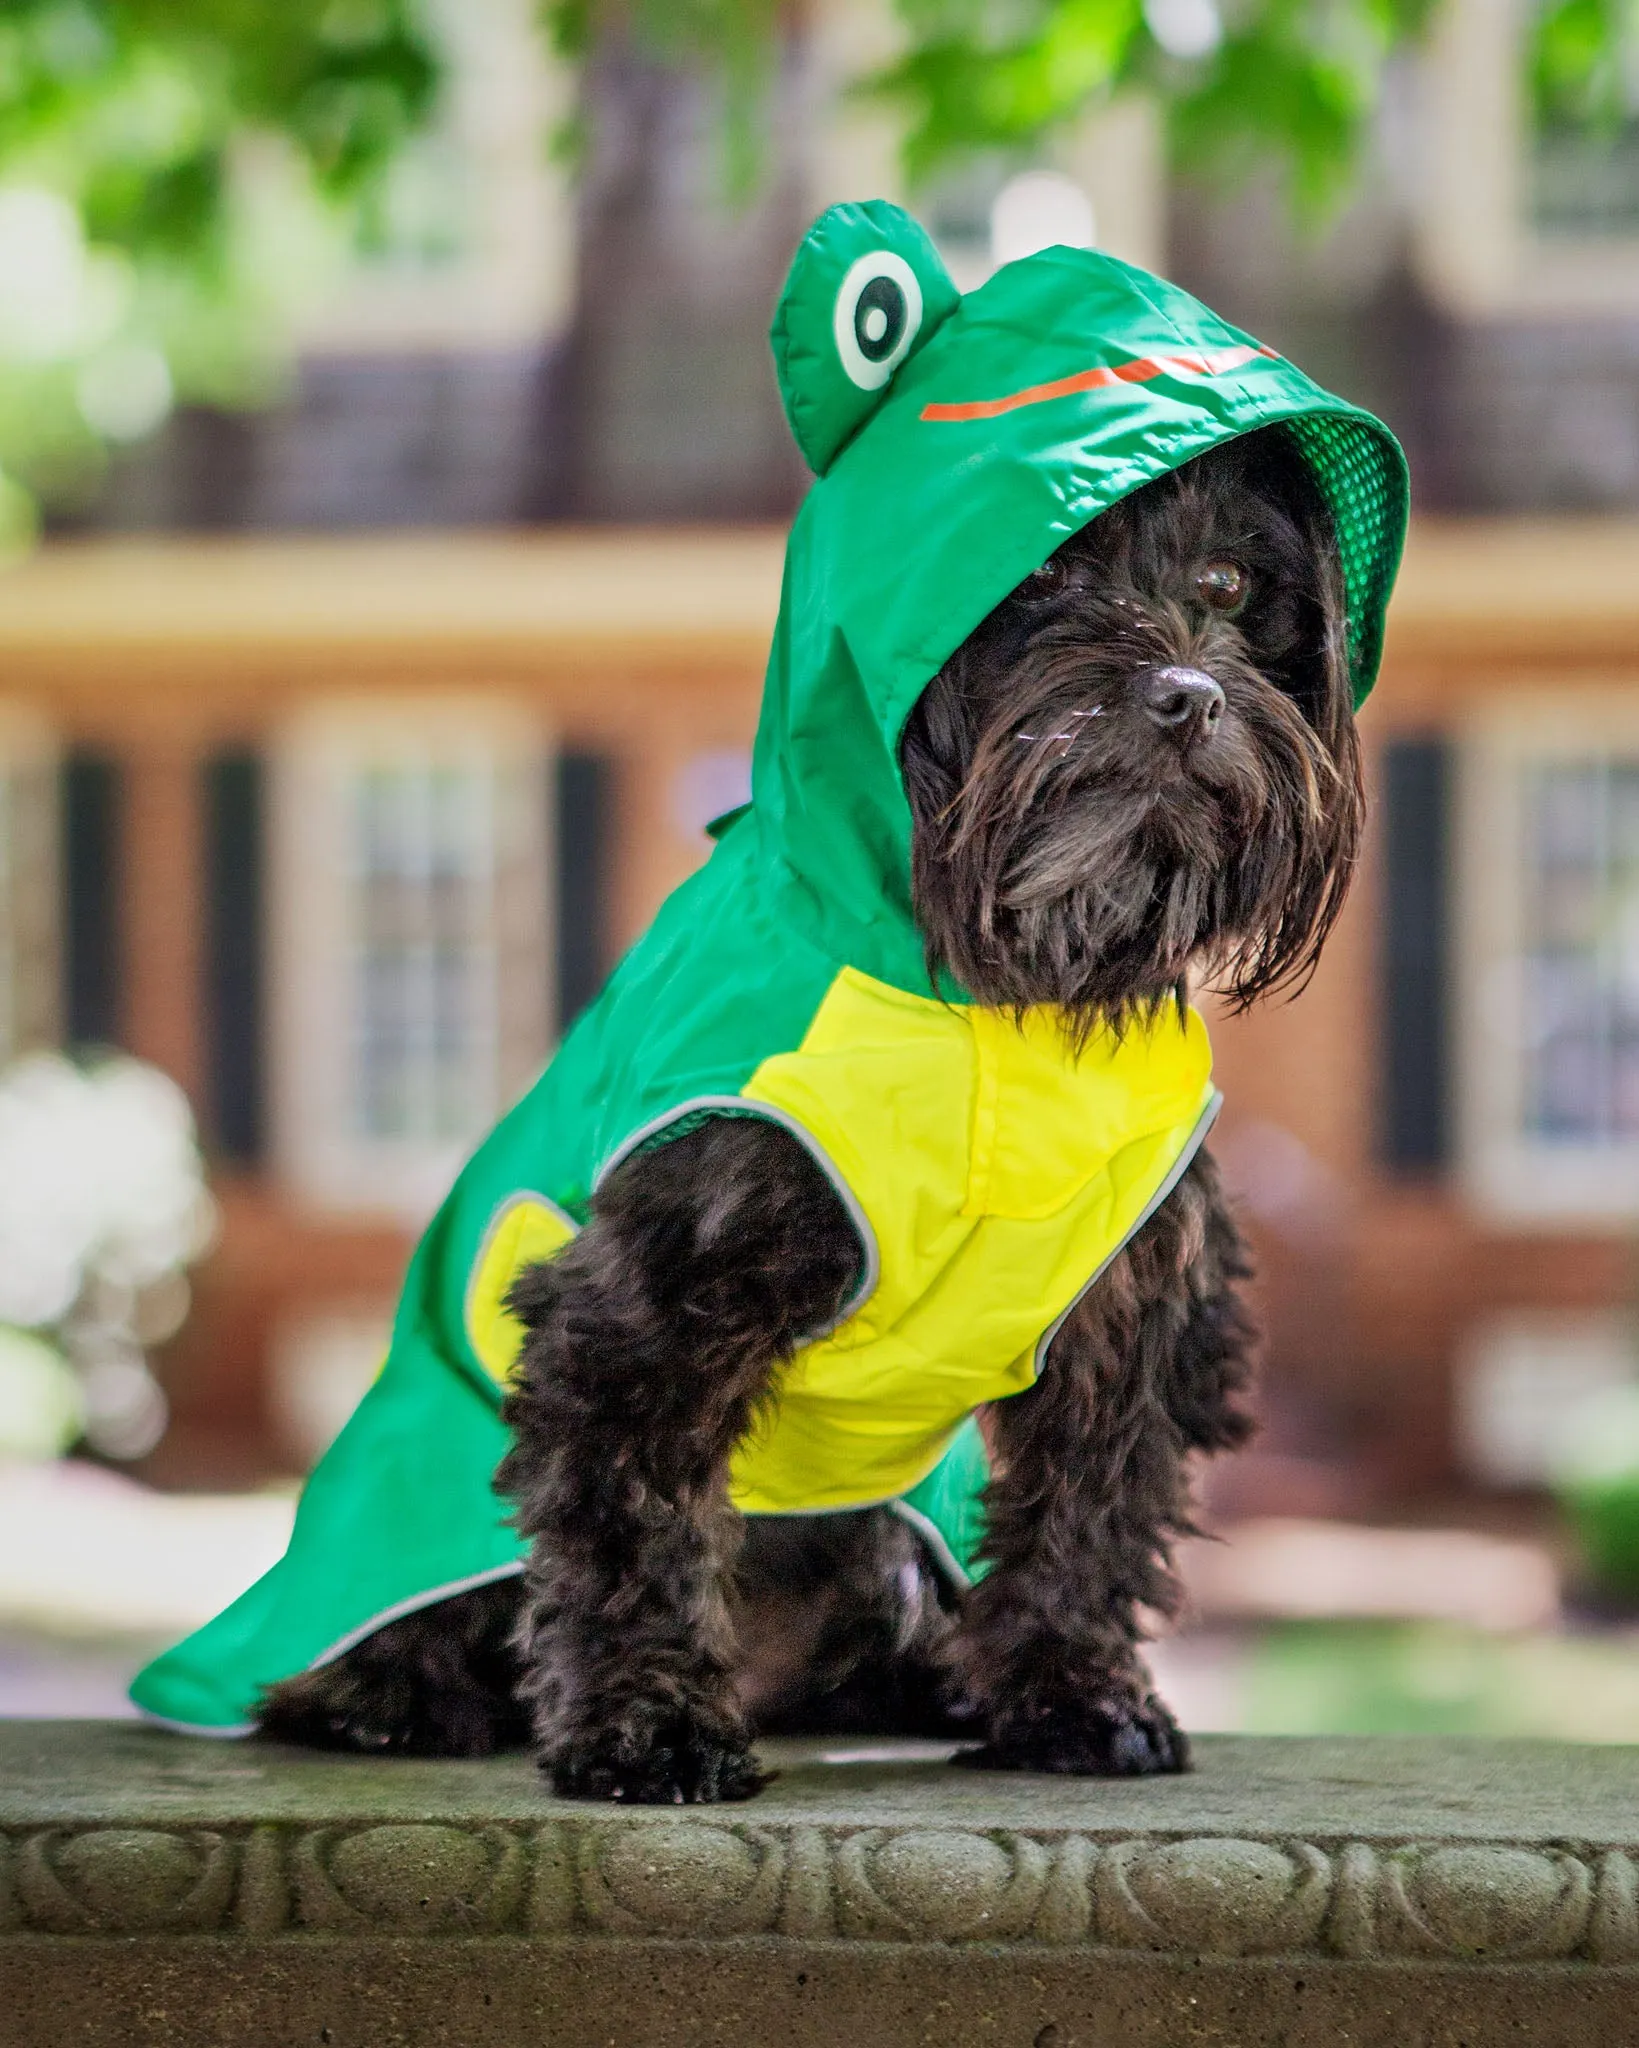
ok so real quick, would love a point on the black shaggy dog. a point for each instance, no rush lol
(1140, 771)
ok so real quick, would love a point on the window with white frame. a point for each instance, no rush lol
(413, 942)
(1549, 915)
(28, 885)
(469, 243)
(1516, 215)
(1584, 185)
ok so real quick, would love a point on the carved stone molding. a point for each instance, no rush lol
(715, 1879)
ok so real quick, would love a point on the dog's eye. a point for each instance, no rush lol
(1048, 580)
(1223, 585)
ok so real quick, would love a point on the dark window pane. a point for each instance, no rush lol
(233, 962)
(91, 889)
(584, 810)
(1415, 1134)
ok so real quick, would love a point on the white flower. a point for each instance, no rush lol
(41, 1407)
(100, 1180)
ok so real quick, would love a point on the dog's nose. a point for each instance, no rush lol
(1184, 701)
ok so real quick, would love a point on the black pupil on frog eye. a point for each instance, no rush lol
(879, 319)
(1222, 585)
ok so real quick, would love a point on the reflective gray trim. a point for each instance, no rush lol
(943, 1556)
(934, 1537)
(1180, 1166)
(748, 1106)
(497, 1217)
(396, 1612)
(850, 1507)
(237, 1733)
(413, 1605)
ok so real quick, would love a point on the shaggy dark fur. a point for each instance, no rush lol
(1140, 770)
(1093, 821)
(442, 1683)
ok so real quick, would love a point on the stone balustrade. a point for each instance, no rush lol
(1410, 1893)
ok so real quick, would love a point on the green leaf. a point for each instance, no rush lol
(135, 113)
(965, 93)
(1581, 63)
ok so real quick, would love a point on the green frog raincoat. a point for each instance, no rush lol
(990, 1169)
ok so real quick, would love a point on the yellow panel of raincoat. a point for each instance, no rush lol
(992, 1170)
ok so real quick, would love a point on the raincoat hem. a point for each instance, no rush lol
(413, 1604)
(234, 1731)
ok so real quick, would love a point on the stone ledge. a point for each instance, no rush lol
(1495, 1869)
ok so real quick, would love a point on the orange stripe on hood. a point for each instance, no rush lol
(1213, 363)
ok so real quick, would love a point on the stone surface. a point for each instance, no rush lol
(1388, 1893)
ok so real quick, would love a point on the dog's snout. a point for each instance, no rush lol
(1184, 701)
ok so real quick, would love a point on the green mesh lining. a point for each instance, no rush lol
(1363, 474)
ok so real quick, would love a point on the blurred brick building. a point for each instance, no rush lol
(338, 833)
(341, 831)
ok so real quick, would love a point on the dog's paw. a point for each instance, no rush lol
(373, 1730)
(1107, 1739)
(391, 1722)
(681, 1764)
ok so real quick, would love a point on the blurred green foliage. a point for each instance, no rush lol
(1288, 79)
(1241, 82)
(164, 166)
(170, 170)
(1296, 80)
(737, 40)
(1434, 1678)
(1596, 1476)
(1584, 63)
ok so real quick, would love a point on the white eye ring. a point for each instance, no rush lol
(861, 369)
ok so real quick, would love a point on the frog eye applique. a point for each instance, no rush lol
(865, 291)
(878, 316)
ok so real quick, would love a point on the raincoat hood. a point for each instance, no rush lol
(957, 442)
(991, 1166)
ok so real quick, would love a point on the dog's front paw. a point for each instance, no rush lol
(677, 1763)
(1109, 1738)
